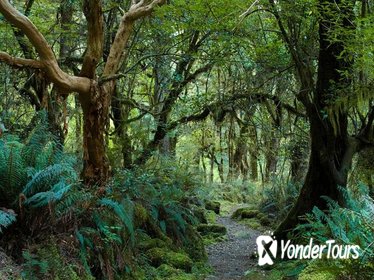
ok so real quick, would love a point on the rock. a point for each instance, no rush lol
(245, 213)
(194, 244)
(213, 205)
(264, 220)
(152, 243)
(159, 256)
(199, 214)
(215, 228)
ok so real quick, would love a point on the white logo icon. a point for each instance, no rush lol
(266, 249)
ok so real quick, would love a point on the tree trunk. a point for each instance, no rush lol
(331, 149)
(211, 157)
(253, 153)
(95, 162)
(322, 178)
(298, 162)
(271, 157)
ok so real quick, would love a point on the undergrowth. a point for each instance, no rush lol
(59, 229)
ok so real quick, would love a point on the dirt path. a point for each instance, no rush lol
(231, 259)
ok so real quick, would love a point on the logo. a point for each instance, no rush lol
(267, 250)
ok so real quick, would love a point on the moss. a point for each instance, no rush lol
(232, 197)
(264, 220)
(211, 216)
(152, 243)
(251, 223)
(167, 270)
(184, 276)
(55, 265)
(284, 270)
(140, 214)
(317, 275)
(194, 244)
(317, 270)
(213, 205)
(245, 213)
(255, 275)
(213, 238)
(214, 228)
(159, 256)
(200, 215)
(226, 207)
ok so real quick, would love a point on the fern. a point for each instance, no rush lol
(351, 225)
(42, 180)
(44, 198)
(121, 213)
(12, 170)
(6, 219)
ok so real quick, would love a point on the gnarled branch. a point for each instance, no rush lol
(51, 67)
(18, 62)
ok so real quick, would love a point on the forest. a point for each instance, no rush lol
(187, 140)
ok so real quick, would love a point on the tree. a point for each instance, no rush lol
(332, 147)
(95, 93)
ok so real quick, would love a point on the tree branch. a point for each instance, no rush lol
(192, 118)
(95, 39)
(137, 10)
(51, 67)
(18, 62)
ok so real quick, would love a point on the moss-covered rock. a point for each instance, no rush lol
(264, 219)
(166, 270)
(214, 228)
(211, 216)
(200, 215)
(194, 244)
(245, 213)
(213, 205)
(171, 273)
(152, 243)
(159, 256)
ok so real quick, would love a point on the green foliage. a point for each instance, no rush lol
(36, 170)
(153, 200)
(6, 219)
(47, 262)
(350, 225)
(279, 197)
(13, 173)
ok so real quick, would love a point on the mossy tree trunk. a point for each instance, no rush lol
(331, 147)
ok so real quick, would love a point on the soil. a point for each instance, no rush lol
(230, 259)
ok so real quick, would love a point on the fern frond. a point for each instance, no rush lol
(44, 198)
(42, 180)
(121, 213)
(6, 219)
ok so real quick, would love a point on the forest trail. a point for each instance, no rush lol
(230, 259)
